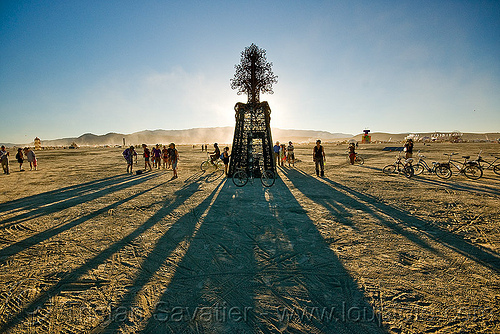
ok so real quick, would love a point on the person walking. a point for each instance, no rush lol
(4, 157)
(174, 158)
(319, 158)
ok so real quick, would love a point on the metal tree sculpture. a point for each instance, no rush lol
(254, 74)
(252, 141)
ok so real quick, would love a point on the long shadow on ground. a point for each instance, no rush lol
(398, 218)
(7, 252)
(257, 264)
(72, 276)
(53, 201)
(452, 183)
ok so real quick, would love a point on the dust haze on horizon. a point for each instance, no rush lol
(72, 68)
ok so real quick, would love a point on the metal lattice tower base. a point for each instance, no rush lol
(252, 141)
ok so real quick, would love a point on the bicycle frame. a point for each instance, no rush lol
(405, 167)
(491, 165)
(469, 168)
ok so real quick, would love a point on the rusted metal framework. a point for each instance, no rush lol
(252, 141)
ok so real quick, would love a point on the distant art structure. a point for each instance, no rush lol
(252, 141)
(38, 143)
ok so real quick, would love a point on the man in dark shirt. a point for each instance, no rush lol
(319, 158)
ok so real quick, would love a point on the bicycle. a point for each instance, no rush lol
(357, 161)
(496, 168)
(209, 165)
(469, 168)
(401, 167)
(442, 171)
(241, 177)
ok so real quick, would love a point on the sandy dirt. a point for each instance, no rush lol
(86, 248)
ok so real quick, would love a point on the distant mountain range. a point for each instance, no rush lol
(224, 135)
(188, 136)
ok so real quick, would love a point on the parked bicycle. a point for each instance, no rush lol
(400, 166)
(468, 168)
(357, 161)
(209, 165)
(490, 165)
(443, 172)
(241, 176)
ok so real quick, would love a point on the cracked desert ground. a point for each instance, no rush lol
(87, 248)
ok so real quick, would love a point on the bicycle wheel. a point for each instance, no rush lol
(496, 169)
(418, 169)
(408, 171)
(443, 172)
(389, 169)
(205, 165)
(359, 160)
(267, 178)
(473, 172)
(219, 163)
(240, 178)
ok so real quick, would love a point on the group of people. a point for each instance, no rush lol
(284, 153)
(168, 156)
(21, 154)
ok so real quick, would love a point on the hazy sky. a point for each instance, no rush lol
(72, 67)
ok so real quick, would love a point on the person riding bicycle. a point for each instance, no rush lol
(215, 154)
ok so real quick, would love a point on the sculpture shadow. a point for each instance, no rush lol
(257, 263)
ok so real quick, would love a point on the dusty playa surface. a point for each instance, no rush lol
(86, 248)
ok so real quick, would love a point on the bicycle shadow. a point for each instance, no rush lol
(399, 221)
(254, 263)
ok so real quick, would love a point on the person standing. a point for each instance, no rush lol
(174, 158)
(352, 153)
(282, 154)
(4, 157)
(276, 153)
(319, 158)
(409, 148)
(30, 155)
(146, 154)
(20, 159)
(225, 158)
(164, 153)
(157, 156)
(129, 154)
(290, 155)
